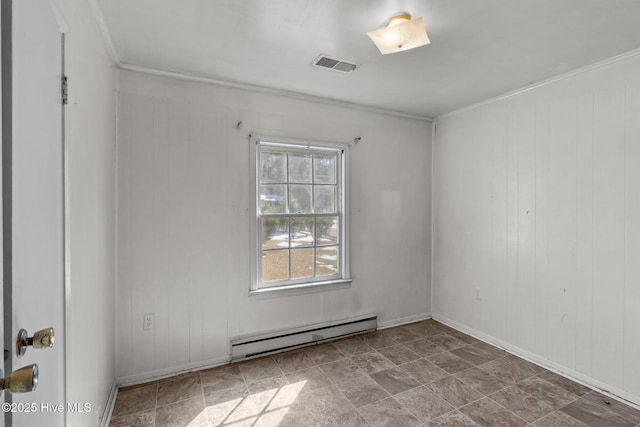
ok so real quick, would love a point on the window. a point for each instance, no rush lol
(299, 231)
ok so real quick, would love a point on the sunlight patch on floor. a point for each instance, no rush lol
(245, 411)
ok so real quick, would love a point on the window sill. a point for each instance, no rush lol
(304, 288)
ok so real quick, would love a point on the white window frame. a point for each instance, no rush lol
(305, 285)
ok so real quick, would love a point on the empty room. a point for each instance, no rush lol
(320, 213)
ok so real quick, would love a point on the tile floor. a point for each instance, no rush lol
(422, 374)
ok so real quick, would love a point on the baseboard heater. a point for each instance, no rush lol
(259, 345)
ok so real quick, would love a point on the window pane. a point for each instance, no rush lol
(297, 224)
(300, 168)
(324, 198)
(275, 265)
(324, 169)
(299, 199)
(273, 199)
(273, 167)
(327, 261)
(326, 230)
(301, 263)
(301, 231)
(275, 233)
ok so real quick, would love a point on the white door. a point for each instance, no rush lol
(38, 207)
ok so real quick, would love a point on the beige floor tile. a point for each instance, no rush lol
(482, 381)
(487, 413)
(260, 368)
(184, 413)
(362, 391)
(454, 391)
(424, 347)
(352, 346)
(399, 354)
(452, 419)
(449, 362)
(180, 389)
(424, 372)
(372, 361)
(221, 378)
(309, 379)
(423, 403)
(395, 380)
(342, 370)
(293, 361)
(139, 419)
(135, 399)
(522, 404)
(388, 413)
(559, 419)
(323, 353)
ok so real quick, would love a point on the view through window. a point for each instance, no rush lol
(299, 213)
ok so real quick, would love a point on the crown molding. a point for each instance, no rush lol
(269, 91)
(98, 15)
(546, 82)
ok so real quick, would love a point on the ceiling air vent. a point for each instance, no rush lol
(334, 64)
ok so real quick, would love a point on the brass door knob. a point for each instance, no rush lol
(41, 339)
(21, 381)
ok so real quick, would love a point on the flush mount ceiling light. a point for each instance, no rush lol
(401, 33)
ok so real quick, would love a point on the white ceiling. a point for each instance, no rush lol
(479, 48)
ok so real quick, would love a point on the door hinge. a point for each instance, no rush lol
(64, 90)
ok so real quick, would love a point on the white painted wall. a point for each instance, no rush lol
(183, 224)
(91, 165)
(537, 204)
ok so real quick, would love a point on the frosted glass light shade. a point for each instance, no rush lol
(402, 33)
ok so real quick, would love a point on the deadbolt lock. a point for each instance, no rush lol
(41, 339)
(21, 381)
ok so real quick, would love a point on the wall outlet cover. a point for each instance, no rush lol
(147, 322)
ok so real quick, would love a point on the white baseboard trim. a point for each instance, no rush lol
(403, 320)
(573, 375)
(105, 418)
(157, 374)
(171, 371)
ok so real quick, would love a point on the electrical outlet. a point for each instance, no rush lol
(477, 293)
(147, 322)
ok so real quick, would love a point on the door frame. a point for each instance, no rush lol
(7, 132)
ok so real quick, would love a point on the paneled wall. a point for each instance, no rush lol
(183, 221)
(537, 224)
(91, 153)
